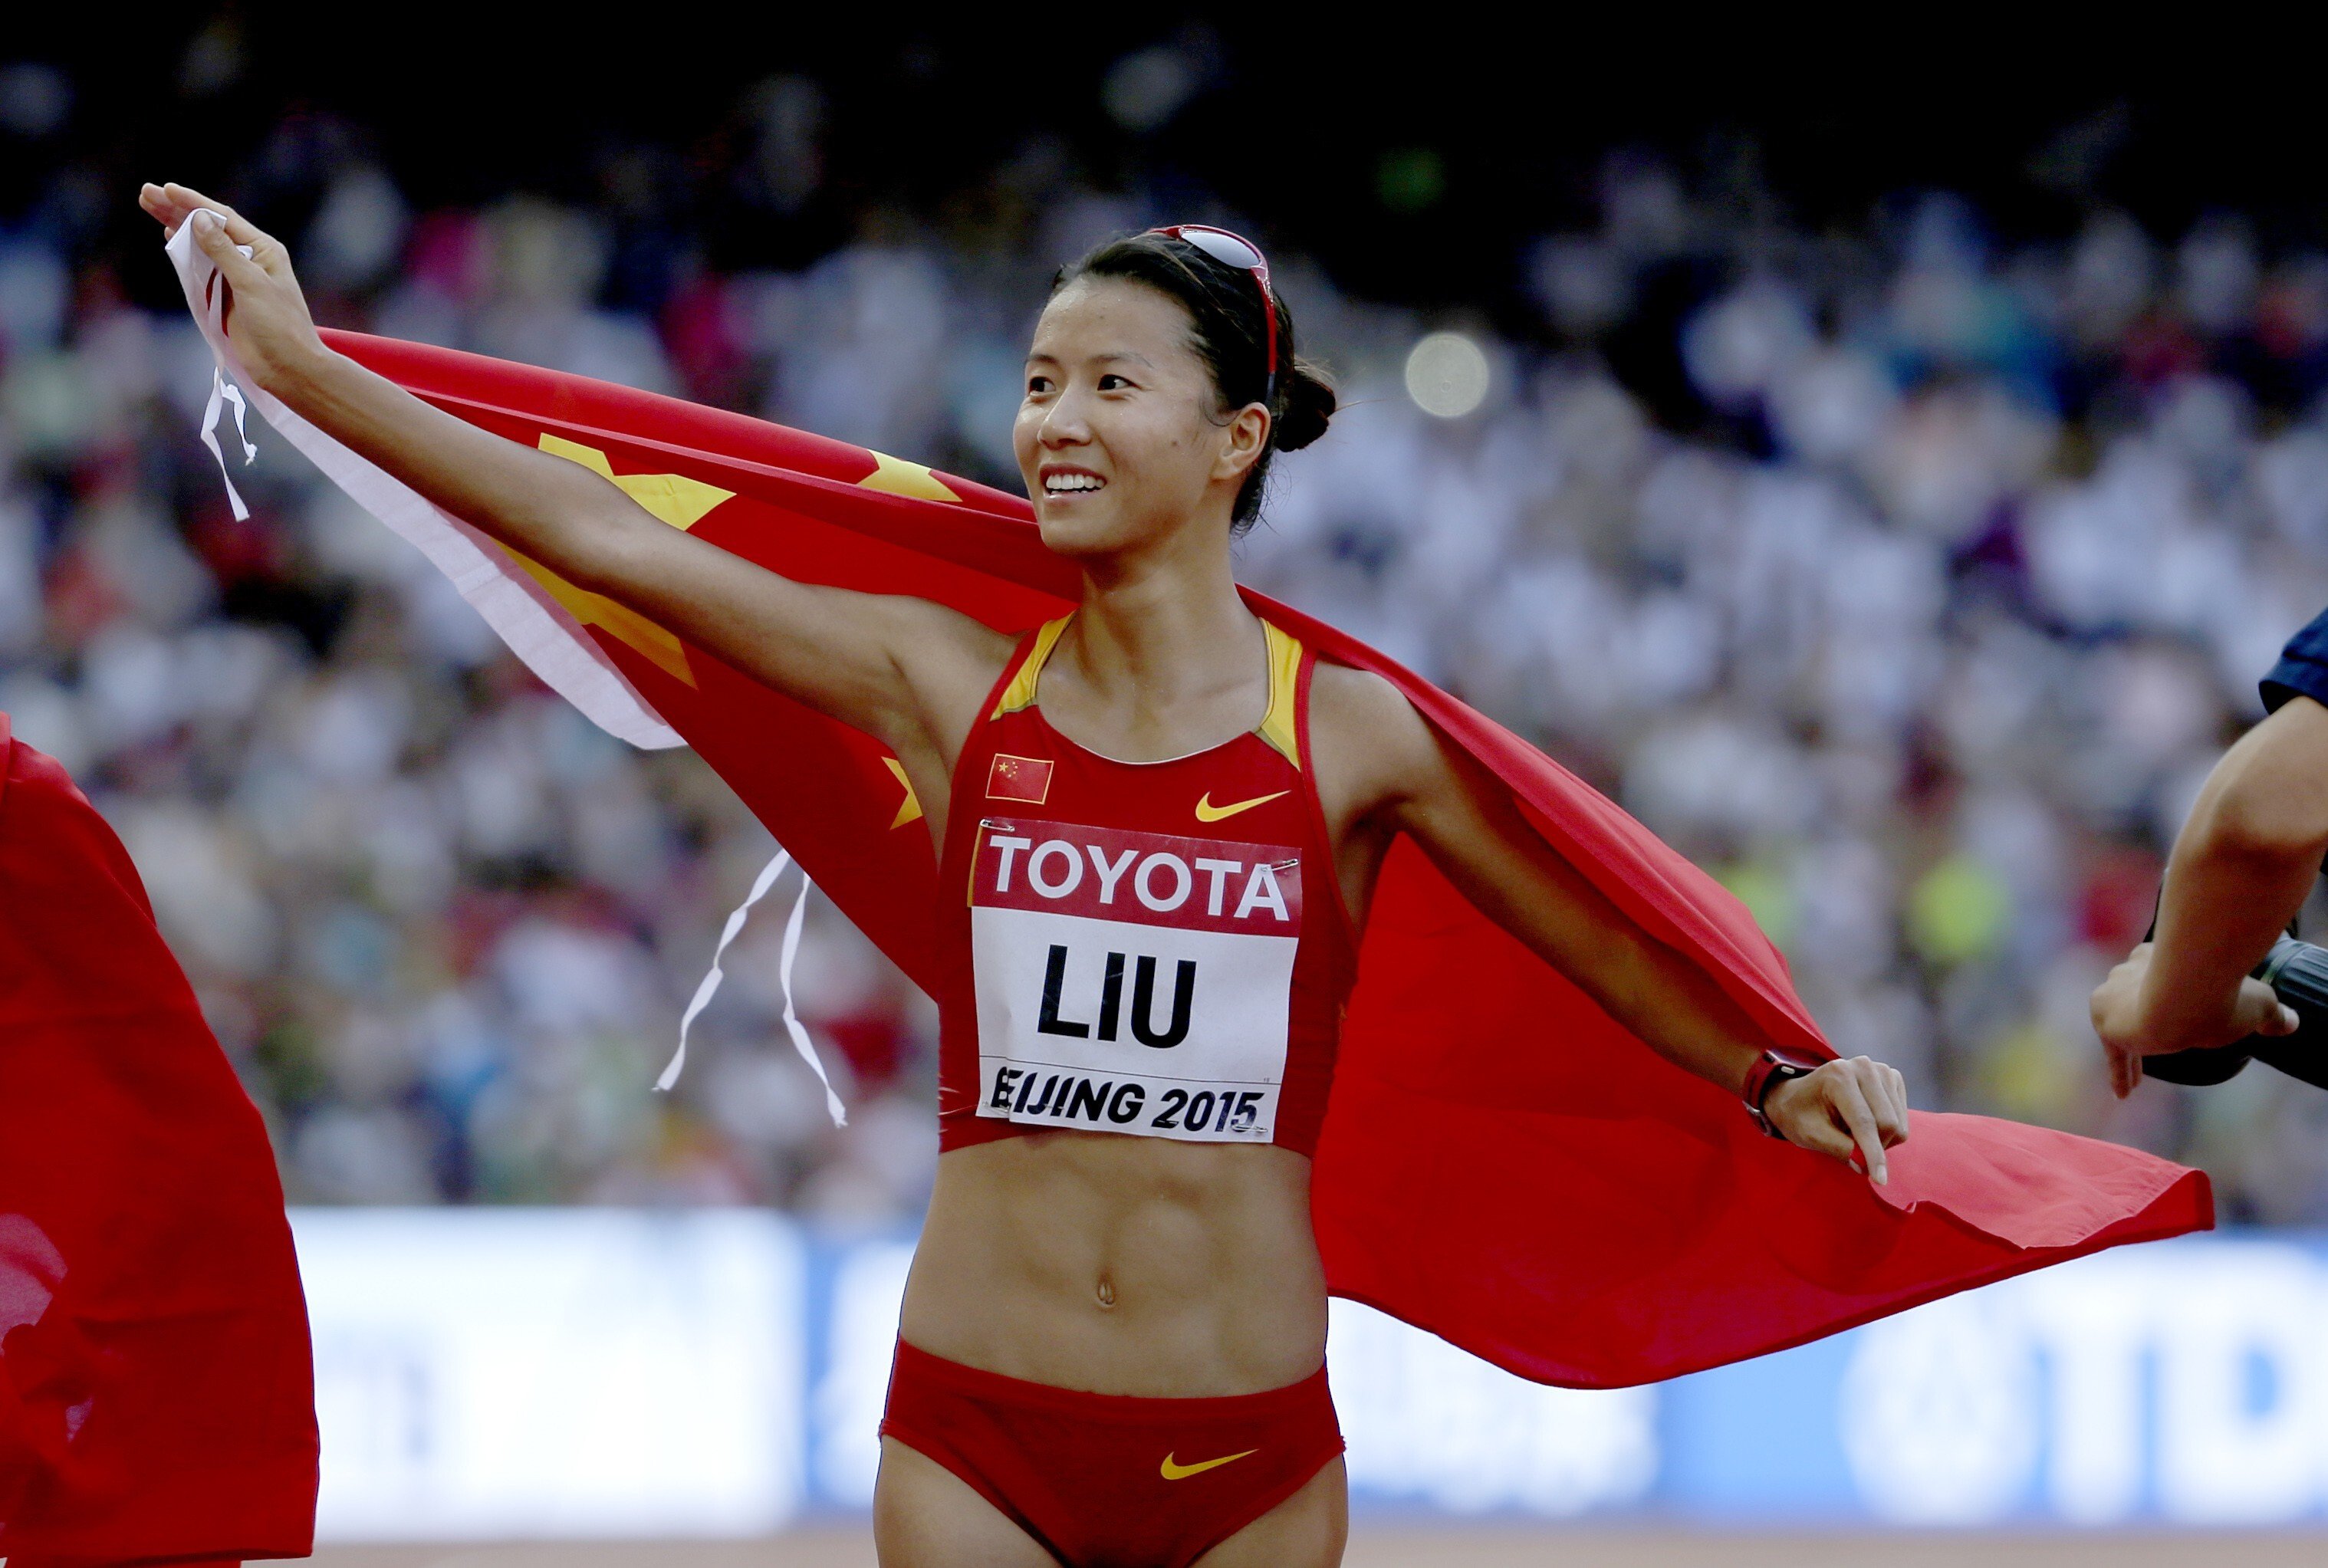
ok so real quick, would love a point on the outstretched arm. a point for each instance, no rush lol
(895, 667)
(1393, 768)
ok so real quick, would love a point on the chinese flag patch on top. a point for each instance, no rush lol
(1018, 778)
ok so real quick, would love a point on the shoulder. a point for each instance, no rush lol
(2297, 729)
(1340, 694)
(2270, 790)
(945, 660)
(1363, 728)
(925, 634)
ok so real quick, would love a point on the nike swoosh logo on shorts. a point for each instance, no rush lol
(1208, 812)
(1172, 1472)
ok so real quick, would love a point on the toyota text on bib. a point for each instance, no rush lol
(1131, 982)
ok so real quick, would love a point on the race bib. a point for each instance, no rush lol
(1132, 982)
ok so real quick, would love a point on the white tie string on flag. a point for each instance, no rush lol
(710, 986)
(224, 392)
(222, 389)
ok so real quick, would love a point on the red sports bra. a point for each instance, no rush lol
(1158, 949)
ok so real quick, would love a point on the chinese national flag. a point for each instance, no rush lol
(156, 1402)
(1501, 1163)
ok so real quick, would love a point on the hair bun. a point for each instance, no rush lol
(1306, 405)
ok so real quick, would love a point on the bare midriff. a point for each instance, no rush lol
(1116, 1264)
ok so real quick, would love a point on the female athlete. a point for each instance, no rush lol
(1168, 817)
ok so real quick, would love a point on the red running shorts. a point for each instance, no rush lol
(1111, 1480)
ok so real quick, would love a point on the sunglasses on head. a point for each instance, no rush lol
(1235, 250)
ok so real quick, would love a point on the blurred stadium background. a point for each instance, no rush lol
(1890, 492)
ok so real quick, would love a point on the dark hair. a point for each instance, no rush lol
(1230, 334)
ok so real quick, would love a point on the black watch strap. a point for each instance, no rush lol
(1765, 1076)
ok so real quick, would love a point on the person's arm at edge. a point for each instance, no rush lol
(1468, 823)
(2239, 870)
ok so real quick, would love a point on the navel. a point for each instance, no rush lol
(1106, 1293)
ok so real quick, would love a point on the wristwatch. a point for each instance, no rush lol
(1768, 1071)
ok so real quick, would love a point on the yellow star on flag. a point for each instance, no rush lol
(900, 477)
(674, 498)
(910, 808)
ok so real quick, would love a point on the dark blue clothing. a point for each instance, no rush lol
(2303, 667)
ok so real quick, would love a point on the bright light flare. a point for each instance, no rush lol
(1447, 375)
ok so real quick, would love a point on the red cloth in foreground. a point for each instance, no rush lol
(157, 1396)
(1501, 1163)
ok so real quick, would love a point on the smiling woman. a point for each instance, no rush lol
(1160, 820)
(1240, 331)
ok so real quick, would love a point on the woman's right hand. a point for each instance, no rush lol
(1852, 1109)
(266, 314)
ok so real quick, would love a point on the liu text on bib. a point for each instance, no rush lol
(1132, 982)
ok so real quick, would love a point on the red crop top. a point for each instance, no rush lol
(1158, 949)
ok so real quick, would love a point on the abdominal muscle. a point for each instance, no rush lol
(1117, 1264)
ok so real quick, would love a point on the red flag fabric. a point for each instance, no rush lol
(1501, 1163)
(157, 1396)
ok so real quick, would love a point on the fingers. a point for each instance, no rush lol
(157, 203)
(239, 229)
(217, 243)
(172, 204)
(1847, 1099)
(1888, 1097)
(2114, 1007)
(2258, 1011)
(1821, 1134)
(1852, 1111)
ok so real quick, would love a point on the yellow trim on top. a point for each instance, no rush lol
(1020, 692)
(1280, 727)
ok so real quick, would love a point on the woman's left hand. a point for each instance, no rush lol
(1851, 1108)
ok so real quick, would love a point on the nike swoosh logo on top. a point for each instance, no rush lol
(1208, 812)
(1172, 1472)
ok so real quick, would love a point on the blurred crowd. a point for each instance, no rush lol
(1908, 578)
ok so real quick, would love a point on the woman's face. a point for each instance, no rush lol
(1120, 440)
